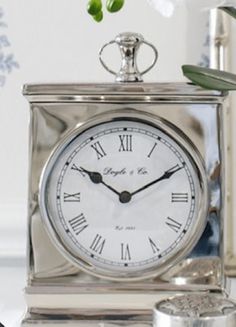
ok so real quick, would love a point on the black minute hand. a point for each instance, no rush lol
(96, 178)
(167, 174)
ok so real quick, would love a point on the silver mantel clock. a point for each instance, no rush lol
(126, 197)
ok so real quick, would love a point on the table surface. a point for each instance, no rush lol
(12, 305)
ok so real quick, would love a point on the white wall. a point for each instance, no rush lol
(56, 41)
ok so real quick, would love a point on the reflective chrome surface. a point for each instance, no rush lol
(200, 218)
(129, 44)
(113, 319)
(131, 92)
(220, 58)
(56, 111)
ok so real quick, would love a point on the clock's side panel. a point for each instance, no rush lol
(52, 273)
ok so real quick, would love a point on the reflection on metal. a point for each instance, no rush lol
(129, 44)
(201, 270)
(60, 293)
(208, 310)
(86, 319)
(219, 40)
(220, 59)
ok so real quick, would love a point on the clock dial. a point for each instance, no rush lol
(124, 198)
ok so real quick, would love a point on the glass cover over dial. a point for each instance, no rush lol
(124, 197)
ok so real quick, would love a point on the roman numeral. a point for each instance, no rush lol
(72, 197)
(150, 153)
(125, 252)
(155, 249)
(78, 224)
(99, 150)
(125, 143)
(173, 224)
(179, 197)
(98, 244)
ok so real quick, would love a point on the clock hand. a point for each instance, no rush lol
(167, 174)
(96, 178)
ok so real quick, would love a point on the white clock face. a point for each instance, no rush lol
(124, 198)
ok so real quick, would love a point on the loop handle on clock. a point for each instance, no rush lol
(129, 44)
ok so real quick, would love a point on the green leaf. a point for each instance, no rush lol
(99, 17)
(229, 10)
(210, 78)
(94, 7)
(114, 5)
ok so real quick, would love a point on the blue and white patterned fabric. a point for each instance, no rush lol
(7, 60)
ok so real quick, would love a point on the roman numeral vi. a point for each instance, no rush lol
(125, 252)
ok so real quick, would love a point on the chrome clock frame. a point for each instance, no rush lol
(196, 161)
(58, 292)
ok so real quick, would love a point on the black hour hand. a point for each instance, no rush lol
(95, 177)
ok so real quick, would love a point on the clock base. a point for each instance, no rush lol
(128, 315)
(118, 319)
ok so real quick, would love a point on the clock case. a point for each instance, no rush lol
(59, 293)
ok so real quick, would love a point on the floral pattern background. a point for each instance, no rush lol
(7, 61)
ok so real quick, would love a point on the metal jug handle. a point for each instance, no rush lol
(129, 44)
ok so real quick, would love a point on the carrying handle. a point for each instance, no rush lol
(129, 44)
(102, 61)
